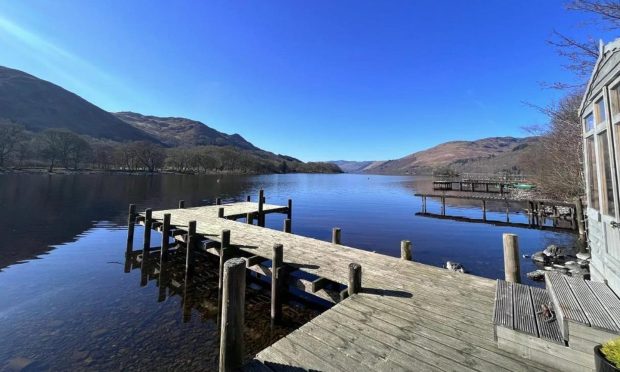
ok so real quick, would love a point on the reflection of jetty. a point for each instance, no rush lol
(563, 215)
(394, 314)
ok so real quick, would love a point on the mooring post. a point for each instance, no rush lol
(220, 212)
(405, 250)
(355, 278)
(165, 238)
(261, 201)
(580, 220)
(249, 219)
(231, 332)
(131, 223)
(424, 204)
(218, 201)
(512, 268)
(190, 243)
(443, 205)
(148, 222)
(248, 198)
(507, 212)
(181, 204)
(277, 279)
(287, 225)
(484, 210)
(162, 284)
(224, 245)
(336, 235)
(289, 210)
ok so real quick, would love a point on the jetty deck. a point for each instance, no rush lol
(407, 315)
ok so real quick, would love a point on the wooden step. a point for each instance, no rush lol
(588, 312)
(518, 308)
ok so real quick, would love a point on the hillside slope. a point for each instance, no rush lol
(38, 105)
(486, 155)
(174, 131)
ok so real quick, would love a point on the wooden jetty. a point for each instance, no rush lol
(487, 186)
(538, 212)
(389, 313)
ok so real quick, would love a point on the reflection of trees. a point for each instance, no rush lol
(42, 210)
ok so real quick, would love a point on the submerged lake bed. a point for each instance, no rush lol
(69, 304)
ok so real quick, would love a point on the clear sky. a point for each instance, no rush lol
(318, 80)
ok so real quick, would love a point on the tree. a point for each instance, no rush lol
(10, 136)
(149, 155)
(557, 158)
(64, 146)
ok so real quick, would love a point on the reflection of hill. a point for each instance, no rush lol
(39, 211)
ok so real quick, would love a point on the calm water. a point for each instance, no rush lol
(67, 303)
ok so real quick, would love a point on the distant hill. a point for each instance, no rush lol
(174, 131)
(488, 155)
(38, 105)
(352, 166)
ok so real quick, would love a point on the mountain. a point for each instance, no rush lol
(174, 131)
(38, 105)
(352, 166)
(488, 155)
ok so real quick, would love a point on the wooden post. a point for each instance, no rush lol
(165, 239)
(162, 284)
(249, 219)
(233, 319)
(424, 204)
(355, 278)
(484, 210)
(224, 245)
(261, 201)
(289, 211)
(148, 221)
(443, 205)
(218, 201)
(460, 186)
(512, 268)
(189, 254)
(248, 198)
(220, 212)
(131, 223)
(181, 204)
(580, 220)
(336, 235)
(277, 282)
(405, 250)
(507, 212)
(486, 187)
(287, 225)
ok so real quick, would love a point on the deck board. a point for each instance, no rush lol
(548, 330)
(596, 314)
(608, 299)
(409, 316)
(524, 319)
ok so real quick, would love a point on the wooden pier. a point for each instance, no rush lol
(537, 211)
(389, 314)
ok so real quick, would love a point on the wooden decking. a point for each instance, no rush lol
(408, 316)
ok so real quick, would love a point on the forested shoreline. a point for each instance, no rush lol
(62, 149)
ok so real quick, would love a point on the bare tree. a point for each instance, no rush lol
(10, 135)
(557, 159)
(64, 146)
(149, 155)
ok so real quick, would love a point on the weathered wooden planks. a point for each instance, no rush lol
(524, 318)
(608, 299)
(566, 307)
(547, 329)
(592, 308)
(405, 316)
(502, 314)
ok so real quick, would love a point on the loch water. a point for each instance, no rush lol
(67, 302)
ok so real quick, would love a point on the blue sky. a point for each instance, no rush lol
(318, 80)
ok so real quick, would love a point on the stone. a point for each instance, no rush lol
(583, 255)
(551, 250)
(537, 275)
(540, 257)
(455, 266)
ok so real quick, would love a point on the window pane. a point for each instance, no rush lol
(589, 122)
(608, 188)
(600, 111)
(592, 177)
(614, 98)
